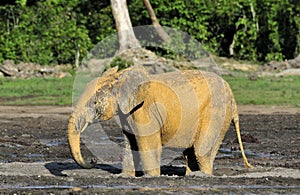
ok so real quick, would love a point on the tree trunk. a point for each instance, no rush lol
(254, 15)
(161, 32)
(127, 39)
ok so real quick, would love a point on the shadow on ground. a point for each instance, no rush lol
(57, 169)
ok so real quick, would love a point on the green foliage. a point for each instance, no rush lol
(244, 29)
(121, 63)
(254, 30)
(46, 33)
(55, 31)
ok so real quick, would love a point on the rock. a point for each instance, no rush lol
(62, 74)
(150, 61)
(8, 68)
(289, 72)
(284, 68)
(9, 63)
(275, 66)
(157, 64)
(295, 63)
(29, 70)
(240, 67)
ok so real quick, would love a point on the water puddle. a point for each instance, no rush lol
(34, 155)
(229, 153)
(52, 143)
(103, 145)
(11, 145)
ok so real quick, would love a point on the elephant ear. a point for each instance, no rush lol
(111, 71)
(127, 87)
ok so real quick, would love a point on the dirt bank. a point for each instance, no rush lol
(34, 157)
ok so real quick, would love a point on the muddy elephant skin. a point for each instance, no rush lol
(189, 109)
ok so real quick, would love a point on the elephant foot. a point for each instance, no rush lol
(152, 172)
(199, 174)
(150, 176)
(206, 169)
(126, 173)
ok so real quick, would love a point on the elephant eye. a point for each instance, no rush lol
(97, 101)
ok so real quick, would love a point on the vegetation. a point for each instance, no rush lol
(62, 31)
(36, 91)
(266, 90)
(39, 91)
(120, 62)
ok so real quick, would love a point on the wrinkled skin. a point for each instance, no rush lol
(191, 110)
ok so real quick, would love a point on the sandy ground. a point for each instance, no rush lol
(35, 158)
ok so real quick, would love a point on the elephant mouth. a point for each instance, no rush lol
(82, 121)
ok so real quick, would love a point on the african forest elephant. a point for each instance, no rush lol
(189, 109)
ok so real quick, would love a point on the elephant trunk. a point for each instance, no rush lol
(74, 143)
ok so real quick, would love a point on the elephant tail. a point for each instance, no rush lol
(238, 132)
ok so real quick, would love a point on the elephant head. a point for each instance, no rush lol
(101, 100)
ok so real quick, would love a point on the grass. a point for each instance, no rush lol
(36, 91)
(53, 91)
(266, 90)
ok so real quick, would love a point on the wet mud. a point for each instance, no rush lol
(35, 158)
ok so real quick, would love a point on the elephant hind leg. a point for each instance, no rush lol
(194, 162)
(191, 161)
(206, 161)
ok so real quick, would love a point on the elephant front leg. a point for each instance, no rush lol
(206, 164)
(131, 157)
(150, 149)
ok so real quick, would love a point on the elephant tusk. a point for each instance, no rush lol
(84, 127)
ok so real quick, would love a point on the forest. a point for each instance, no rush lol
(50, 32)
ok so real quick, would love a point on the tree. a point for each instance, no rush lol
(161, 32)
(60, 31)
(127, 39)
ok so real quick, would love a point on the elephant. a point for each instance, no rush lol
(187, 109)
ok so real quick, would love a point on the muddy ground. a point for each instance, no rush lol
(35, 158)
